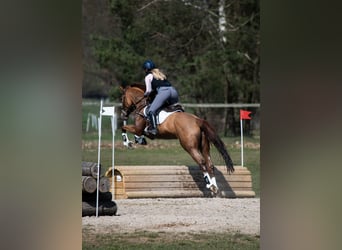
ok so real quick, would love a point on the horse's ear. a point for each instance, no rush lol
(122, 88)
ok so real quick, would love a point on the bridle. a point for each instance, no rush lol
(126, 111)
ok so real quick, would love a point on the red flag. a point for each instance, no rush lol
(244, 115)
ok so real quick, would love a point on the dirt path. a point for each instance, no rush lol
(190, 215)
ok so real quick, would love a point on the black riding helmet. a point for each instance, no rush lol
(148, 64)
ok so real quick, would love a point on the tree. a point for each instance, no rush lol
(209, 49)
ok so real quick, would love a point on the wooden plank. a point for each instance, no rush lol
(181, 178)
(134, 178)
(156, 185)
(122, 192)
(241, 189)
(169, 166)
(177, 172)
(185, 193)
(117, 185)
(119, 191)
(120, 197)
(232, 178)
(122, 169)
(166, 194)
(185, 188)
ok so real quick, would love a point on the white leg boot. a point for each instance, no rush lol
(207, 179)
(126, 141)
(211, 182)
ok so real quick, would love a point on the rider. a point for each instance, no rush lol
(156, 81)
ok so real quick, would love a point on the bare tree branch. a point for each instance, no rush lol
(242, 24)
(200, 8)
(145, 6)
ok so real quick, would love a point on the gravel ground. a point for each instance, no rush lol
(188, 215)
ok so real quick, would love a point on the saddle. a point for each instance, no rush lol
(174, 107)
(165, 111)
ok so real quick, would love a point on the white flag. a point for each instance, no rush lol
(107, 111)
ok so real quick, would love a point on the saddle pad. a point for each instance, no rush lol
(161, 117)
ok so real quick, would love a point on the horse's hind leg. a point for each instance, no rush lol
(193, 144)
(209, 165)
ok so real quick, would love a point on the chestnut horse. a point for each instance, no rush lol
(193, 133)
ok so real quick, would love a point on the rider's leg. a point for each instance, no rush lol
(158, 101)
(173, 98)
(153, 123)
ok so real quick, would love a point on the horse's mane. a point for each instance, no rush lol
(139, 86)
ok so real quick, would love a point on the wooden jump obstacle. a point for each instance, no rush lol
(177, 181)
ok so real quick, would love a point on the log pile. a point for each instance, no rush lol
(89, 188)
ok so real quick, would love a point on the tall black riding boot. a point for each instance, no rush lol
(153, 124)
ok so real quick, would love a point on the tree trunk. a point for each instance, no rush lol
(88, 184)
(104, 185)
(105, 208)
(90, 169)
(222, 21)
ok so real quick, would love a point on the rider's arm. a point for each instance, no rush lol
(148, 83)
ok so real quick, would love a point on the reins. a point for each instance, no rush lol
(133, 107)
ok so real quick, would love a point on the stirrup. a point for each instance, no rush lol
(153, 131)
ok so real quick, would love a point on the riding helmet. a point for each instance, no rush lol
(148, 64)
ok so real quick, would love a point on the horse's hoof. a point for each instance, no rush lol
(140, 140)
(128, 144)
(143, 142)
(214, 189)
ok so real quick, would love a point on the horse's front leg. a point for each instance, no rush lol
(125, 140)
(131, 129)
(137, 130)
(139, 137)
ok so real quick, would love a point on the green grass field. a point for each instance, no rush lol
(166, 241)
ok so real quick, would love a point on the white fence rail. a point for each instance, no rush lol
(254, 124)
(190, 105)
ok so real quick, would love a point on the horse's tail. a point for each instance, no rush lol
(218, 143)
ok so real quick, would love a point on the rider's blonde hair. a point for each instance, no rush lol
(158, 74)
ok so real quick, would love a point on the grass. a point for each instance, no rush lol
(141, 240)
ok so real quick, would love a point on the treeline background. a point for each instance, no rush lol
(209, 50)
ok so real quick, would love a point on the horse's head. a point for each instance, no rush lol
(131, 97)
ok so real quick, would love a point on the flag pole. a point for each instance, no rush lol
(110, 111)
(244, 115)
(241, 128)
(113, 141)
(98, 161)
